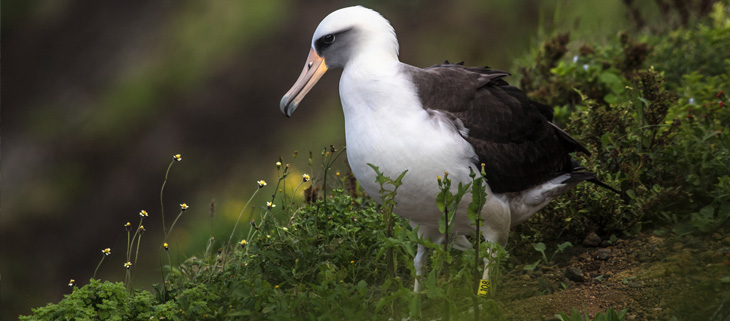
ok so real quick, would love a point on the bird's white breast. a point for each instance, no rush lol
(386, 126)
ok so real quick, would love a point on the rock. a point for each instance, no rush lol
(603, 254)
(592, 240)
(574, 274)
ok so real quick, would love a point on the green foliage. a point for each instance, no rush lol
(541, 247)
(97, 301)
(387, 198)
(295, 267)
(653, 115)
(447, 202)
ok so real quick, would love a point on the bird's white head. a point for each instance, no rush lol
(343, 37)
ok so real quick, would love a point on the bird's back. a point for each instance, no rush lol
(512, 135)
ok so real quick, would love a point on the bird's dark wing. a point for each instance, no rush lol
(512, 135)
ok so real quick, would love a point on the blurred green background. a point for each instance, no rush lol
(98, 95)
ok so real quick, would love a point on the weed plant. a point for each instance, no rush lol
(295, 261)
(653, 114)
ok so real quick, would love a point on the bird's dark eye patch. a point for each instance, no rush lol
(327, 40)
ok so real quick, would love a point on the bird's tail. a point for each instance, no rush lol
(580, 174)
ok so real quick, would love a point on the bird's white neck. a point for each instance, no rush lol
(375, 85)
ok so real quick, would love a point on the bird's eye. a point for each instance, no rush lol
(328, 39)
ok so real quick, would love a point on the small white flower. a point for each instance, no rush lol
(261, 183)
(128, 265)
(305, 178)
(143, 213)
(106, 251)
(270, 205)
(691, 101)
(184, 206)
(177, 157)
(585, 67)
(575, 58)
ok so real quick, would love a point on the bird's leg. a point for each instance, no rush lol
(418, 261)
(489, 259)
(496, 226)
(485, 276)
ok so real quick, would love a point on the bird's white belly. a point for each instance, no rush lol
(386, 125)
(424, 146)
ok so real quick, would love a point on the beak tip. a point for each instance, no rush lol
(287, 107)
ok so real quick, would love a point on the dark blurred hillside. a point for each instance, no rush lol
(98, 96)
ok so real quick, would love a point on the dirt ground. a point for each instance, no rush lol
(656, 278)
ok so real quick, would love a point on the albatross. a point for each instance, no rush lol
(444, 118)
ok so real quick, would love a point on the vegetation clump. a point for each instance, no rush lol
(652, 113)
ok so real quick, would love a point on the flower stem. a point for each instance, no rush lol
(97, 267)
(130, 246)
(241, 214)
(173, 225)
(162, 205)
(136, 255)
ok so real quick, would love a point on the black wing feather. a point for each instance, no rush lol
(512, 135)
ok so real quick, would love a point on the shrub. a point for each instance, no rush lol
(656, 130)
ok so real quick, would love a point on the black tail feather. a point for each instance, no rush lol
(579, 174)
(604, 185)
